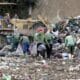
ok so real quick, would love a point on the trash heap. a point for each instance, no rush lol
(23, 69)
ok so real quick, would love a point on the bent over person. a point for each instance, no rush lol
(70, 42)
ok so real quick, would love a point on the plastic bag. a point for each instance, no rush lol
(65, 56)
(6, 77)
(41, 47)
(19, 50)
(33, 49)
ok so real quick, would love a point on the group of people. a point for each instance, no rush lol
(49, 38)
(18, 39)
(54, 41)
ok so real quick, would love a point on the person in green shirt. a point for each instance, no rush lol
(39, 39)
(70, 42)
(9, 39)
(15, 42)
(48, 42)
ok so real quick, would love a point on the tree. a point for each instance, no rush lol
(28, 3)
(23, 8)
(31, 4)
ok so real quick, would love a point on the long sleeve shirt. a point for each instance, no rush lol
(70, 41)
(48, 38)
(39, 38)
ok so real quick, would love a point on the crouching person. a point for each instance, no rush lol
(70, 42)
(41, 50)
(15, 42)
(39, 39)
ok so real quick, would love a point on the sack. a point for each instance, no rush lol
(6, 77)
(33, 49)
(65, 56)
(19, 50)
(41, 47)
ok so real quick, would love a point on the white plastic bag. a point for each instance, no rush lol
(41, 47)
(19, 50)
(33, 49)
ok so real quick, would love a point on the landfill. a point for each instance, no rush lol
(24, 69)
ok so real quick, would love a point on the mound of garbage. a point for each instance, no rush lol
(30, 69)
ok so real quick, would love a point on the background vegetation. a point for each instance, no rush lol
(23, 7)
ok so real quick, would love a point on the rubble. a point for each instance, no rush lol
(19, 69)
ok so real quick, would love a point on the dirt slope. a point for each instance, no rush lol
(56, 8)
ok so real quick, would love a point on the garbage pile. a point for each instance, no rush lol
(56, 66)
(21, 69)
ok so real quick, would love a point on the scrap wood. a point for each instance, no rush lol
(24, 21)
(44, 20)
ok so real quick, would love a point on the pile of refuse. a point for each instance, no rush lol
(30, 69)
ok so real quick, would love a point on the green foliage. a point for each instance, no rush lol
(21, 8)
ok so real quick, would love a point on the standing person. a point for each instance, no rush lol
(25, 44)
(70, 42)
(16, 16)
(48, 42)
(55, 34)
(1, 25)
(7, 18)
